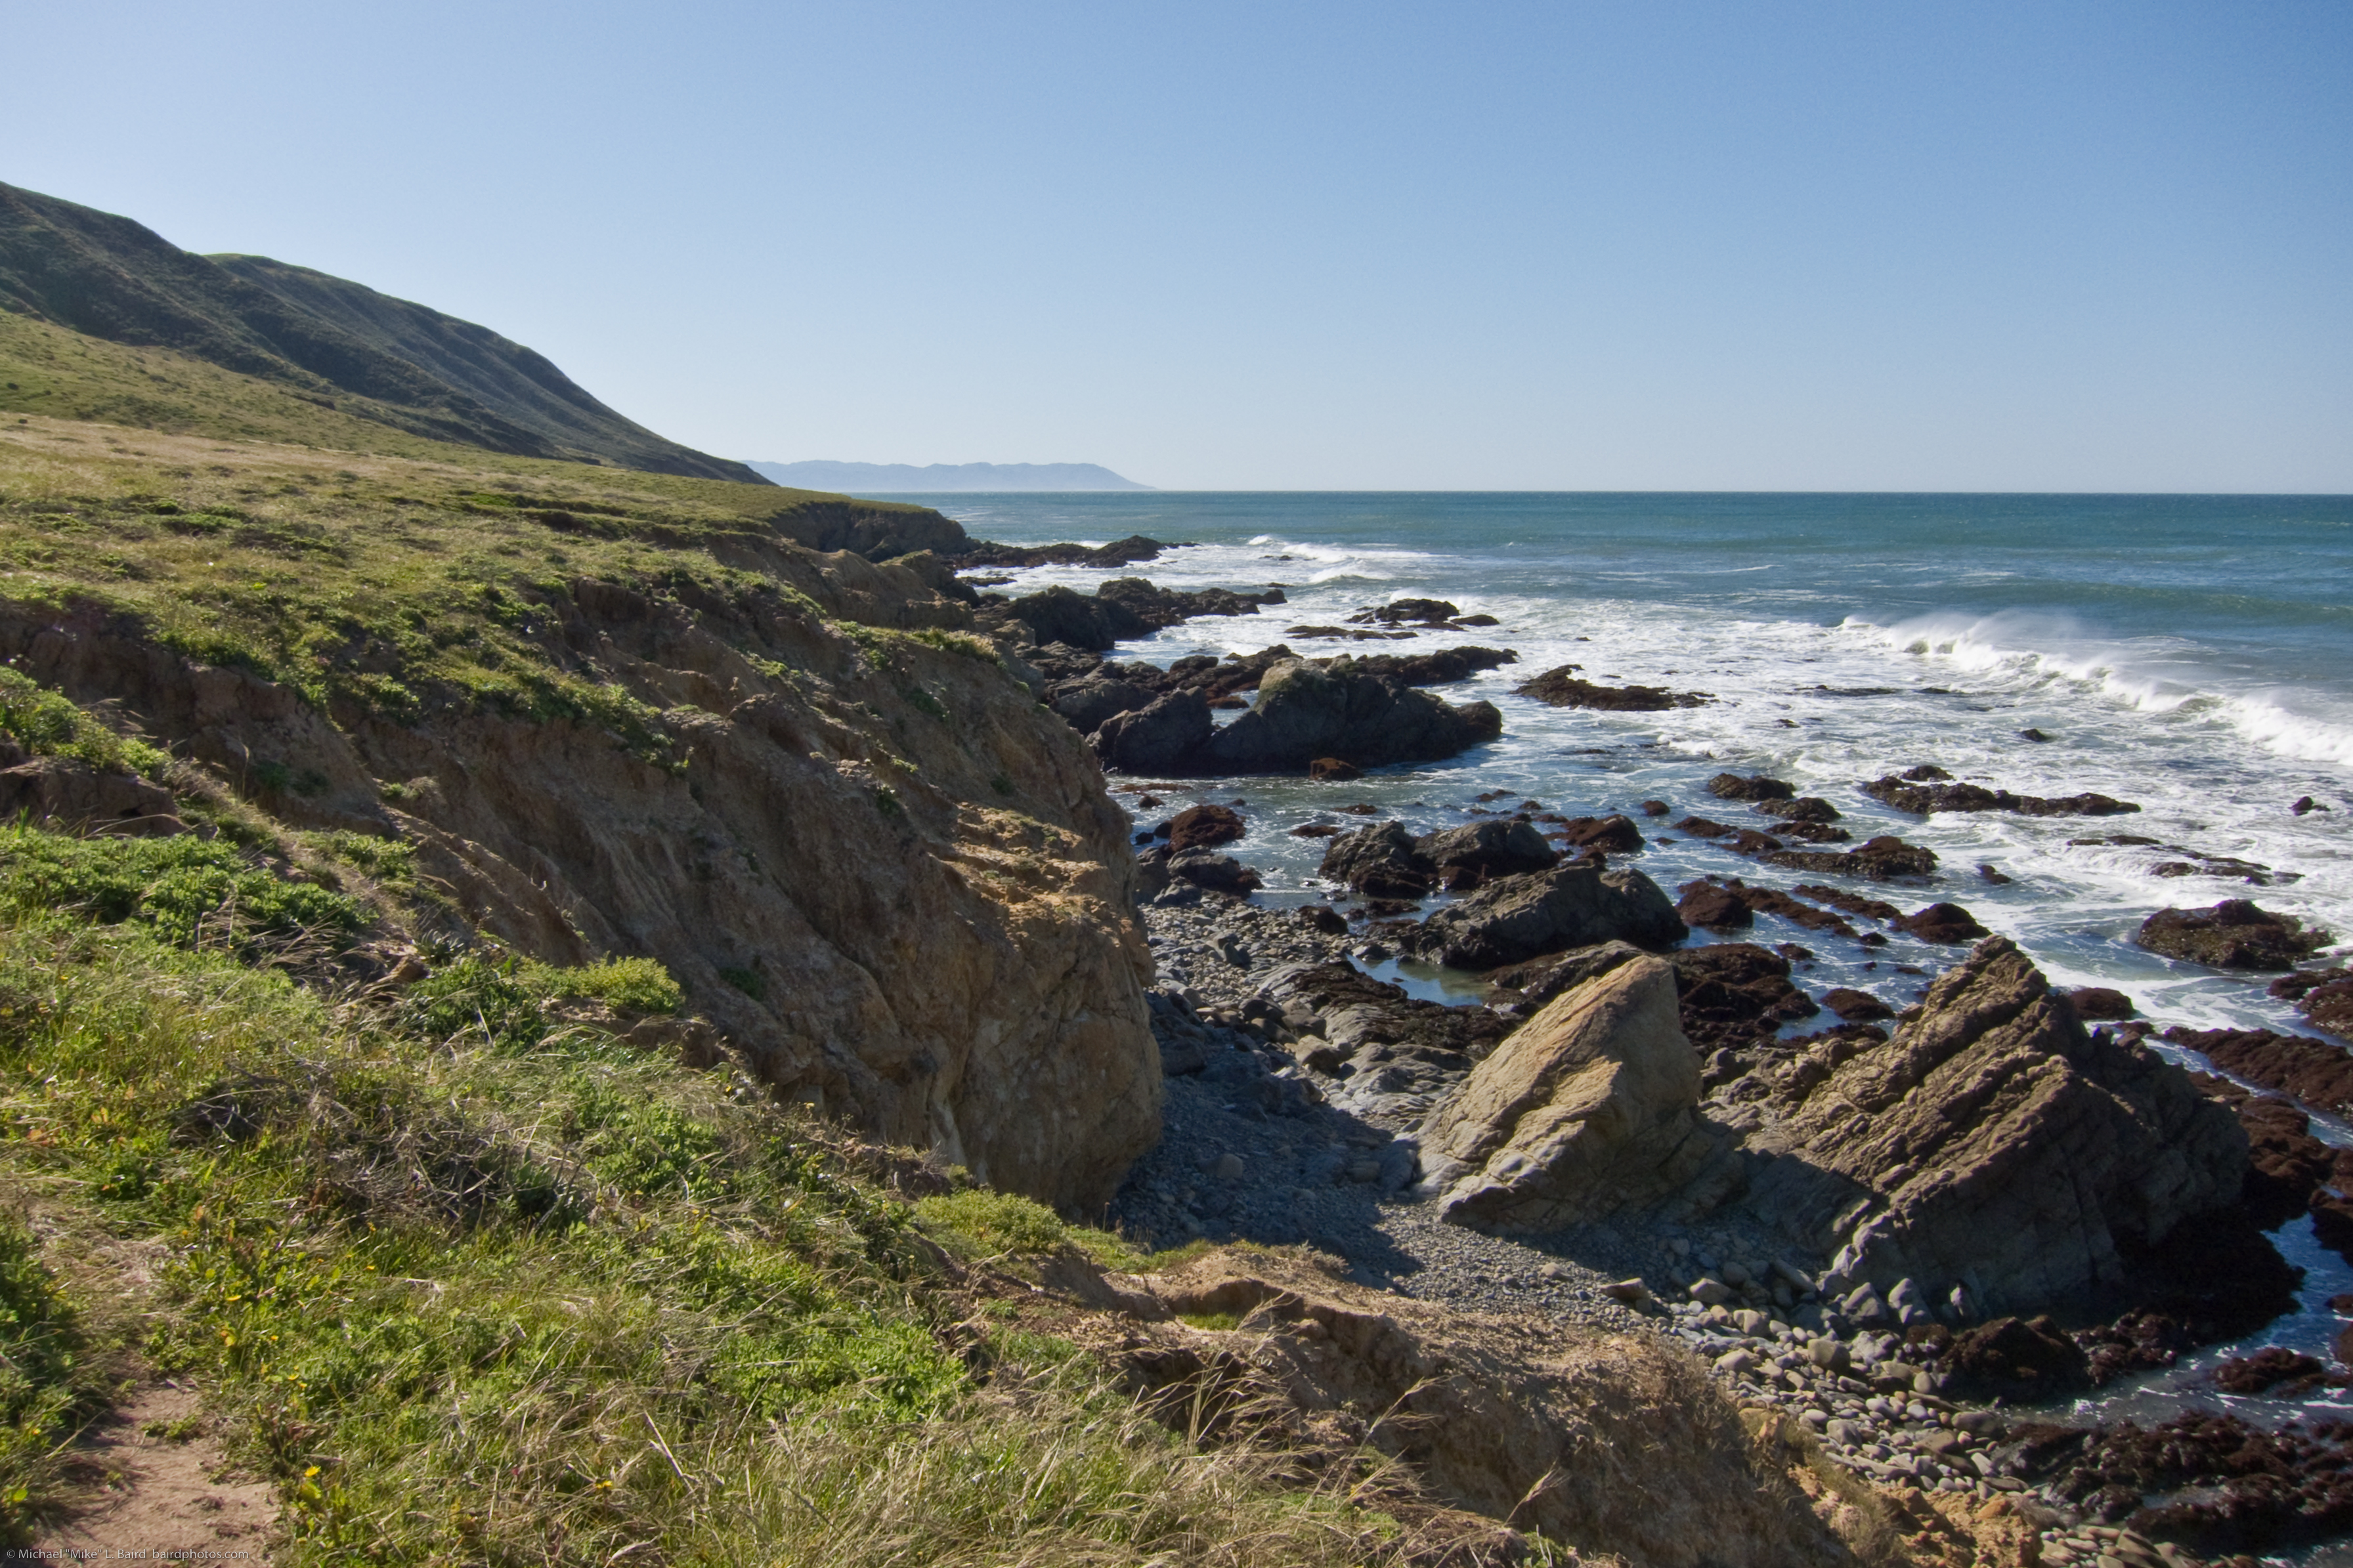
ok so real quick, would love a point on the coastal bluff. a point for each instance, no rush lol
(888, 877)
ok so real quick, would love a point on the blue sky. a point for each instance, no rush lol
(1501, 246)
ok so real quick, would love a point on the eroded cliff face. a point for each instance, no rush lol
(878, 865)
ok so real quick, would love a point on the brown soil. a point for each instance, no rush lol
(159, 1485)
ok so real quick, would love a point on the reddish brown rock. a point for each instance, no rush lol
(1332, 769)
(1200, 827)
(1945, 923)
(1616, 833)
(2098, 1004)
(1856, 1006)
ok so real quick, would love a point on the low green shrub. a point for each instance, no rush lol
(48, 724)
(627, 984)
(181, 887)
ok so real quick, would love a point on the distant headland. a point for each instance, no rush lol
(906, 479)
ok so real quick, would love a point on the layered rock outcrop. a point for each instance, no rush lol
(1993, 1143)
(1589, 1106)
(894, 882)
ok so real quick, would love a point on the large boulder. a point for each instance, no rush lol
(1088, 702)
(1158, 738)
(1994, 1144)
(1305, 711)
(1059, 614)
(1589, 1107)
(1514, 918)
(1500, 847)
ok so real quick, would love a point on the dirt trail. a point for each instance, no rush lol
(160, 1486)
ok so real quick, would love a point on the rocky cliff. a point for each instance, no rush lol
(889, 875)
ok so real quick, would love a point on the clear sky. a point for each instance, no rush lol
(1887, 246)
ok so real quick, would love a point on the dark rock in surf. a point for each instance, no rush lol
(1493, 848)
(1200, 827)
(1732, 786)
(1058, 614)
(1926, 798)
(1854, 1007)
(1155, 607)
(1086, 704)
(1616, 835)
(2316, 1072)
(1332, 769)
(1885, 859)
(2100, 1004)
(2233, 934)
(1305, 711)
(1804, 809)
(1437, 667)
(1714, 908)
(1120, 552)
(2324, 995)
(1945, 923)
(1560, 688)
(1218, 873)
(1381, 861)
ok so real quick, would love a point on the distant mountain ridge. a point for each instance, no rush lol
(906, 479)
(337, 342)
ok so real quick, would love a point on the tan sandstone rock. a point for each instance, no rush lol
(1590, 1105)
(1994, 1143)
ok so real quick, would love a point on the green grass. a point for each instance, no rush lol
(182, 887)
(468, 1283)
(395, 577)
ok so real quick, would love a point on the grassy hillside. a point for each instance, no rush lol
(466, 1278)
(388, 361)
(460, 1272)
(390, 580)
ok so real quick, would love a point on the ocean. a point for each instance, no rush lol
(2191, 654)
